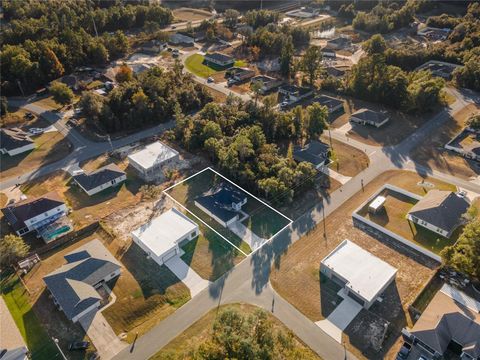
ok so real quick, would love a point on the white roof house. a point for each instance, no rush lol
(363, 275)
(161, 237)
(149, 161)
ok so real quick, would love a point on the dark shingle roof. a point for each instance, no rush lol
(376, 117)
(98, 177)
(328, 101)
(442, 209)
(13, 138)
(314, 152)
(220, 201)
(219, 57)
(18, 213)
(72, 284)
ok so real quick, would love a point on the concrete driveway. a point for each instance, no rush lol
(102, 335)
(187, 275)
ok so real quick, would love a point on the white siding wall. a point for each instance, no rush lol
(428, 226)
(31, 222)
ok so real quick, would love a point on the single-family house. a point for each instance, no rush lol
(328, 52)
(72, 81)
(236, 74)
(181, 40)
(315, 152)
(73, 286)
(439, 211)
(15, 141)
(332, 104)
(162, 237)
(450, 322)
(223, 203)
(151, 161)
(219, 59)
(466, 143)
(153, 46)
(334, 71)
(293, 94)
(34, 214)
(268, 83)
(98, 180)
(363, 276)
(370, 117)
(339, 43)
(439, 68)
(434, 34)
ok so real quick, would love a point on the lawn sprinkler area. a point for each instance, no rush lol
(229, 212)
(392, 221)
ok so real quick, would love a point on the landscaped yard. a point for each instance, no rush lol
(186, 343)
(394, 219)
(194, 63)
(298, 270)
(431, 152)
(49, 147)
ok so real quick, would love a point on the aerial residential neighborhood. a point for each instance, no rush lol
(240, 180)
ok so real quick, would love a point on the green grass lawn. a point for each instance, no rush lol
(263, 221)
(194, 63)
(36, 338)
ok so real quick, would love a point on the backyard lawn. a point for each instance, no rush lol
(36, 338)
(194, 63)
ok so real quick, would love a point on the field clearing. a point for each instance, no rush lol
(348, 161)
(298, 271)
(187, 14)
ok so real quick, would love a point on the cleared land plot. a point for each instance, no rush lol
(431, 151)
(49, 147)
(183, 346)
(347, 160)
(399, 127)
(187, 14)
(298, 271)
(394, 218)
(260, 219)
(195, 64)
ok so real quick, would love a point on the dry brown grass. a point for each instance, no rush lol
(298, 270)
(348, 161)
(187, 14)
(432, 154)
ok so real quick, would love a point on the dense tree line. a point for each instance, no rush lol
(241, 139)
(42, 40)
(152, 97)
(260, 18)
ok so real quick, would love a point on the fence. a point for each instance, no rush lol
(375, 229)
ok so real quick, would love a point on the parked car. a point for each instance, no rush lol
(29, 116)
(210, 79)
(78, 345)
(174, 27)
(36, 131)
(404, 351)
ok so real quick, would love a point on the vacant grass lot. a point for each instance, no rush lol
(183, 346)
(298, 271)
(347, 160)
(49, 147)
(195, 64)
(394, 218)
(187, 14)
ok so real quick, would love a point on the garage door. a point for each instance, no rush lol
(168, 255)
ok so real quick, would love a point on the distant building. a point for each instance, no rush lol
(335, 72)
(439, 68)
(223, 203)
(151, 161)
(268, 83)
(182, 40)
(439, 211)
(153, 46)
(315, 152)
(339, 43)
(294, 93)
(370, 117)
(162, 237)
(35, 214)
(332, 104)
(219, 59)
(15, 141)
(304, 12)
(237, 74)
(328, 52)
(363, 276)
(72, 81)
(103, 178)
(450, 321)
(434, 34)
(74, 285)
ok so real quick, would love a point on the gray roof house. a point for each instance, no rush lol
(223, 203)
(315, 152)
(153, 46)
(219, 59)
(100, 179)
(370, 117)
(439, 68)
(73, 285)
(340, 42)
(15, 141)
(439, 211)
(332, 104)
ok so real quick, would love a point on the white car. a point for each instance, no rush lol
(36, 131)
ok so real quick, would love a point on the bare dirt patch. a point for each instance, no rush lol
(431, 152)
(348, 161)
(298, 271)
(187, 14)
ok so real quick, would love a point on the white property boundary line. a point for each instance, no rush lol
(290, 221)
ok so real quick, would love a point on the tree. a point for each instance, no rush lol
(3, 105)
(124, 74)
(61, 93)
(286, 57)
(375, 45)
(464, 255)
(275, 190)
(49, 65)
(231, 18)
(311, 63)
(317, 120)
(474, 122)
(91, 104)
(256, 87)
(12, 248)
